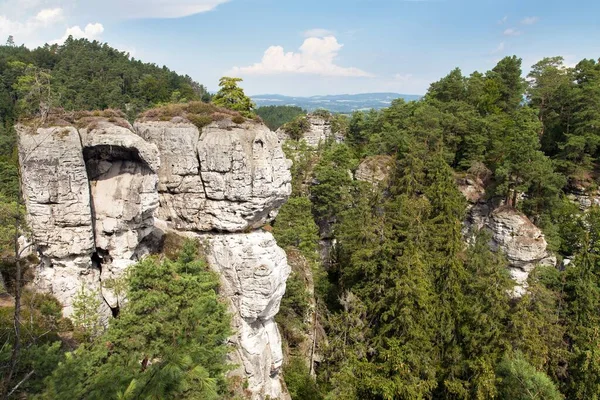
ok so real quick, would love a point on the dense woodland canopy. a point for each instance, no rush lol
(407, 309)
(402, 308)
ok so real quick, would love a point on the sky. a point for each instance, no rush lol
(317, 47)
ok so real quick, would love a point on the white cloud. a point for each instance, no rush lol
(318, 32)
(91, 31)
(511, 32)
(25, 31)
(49, 16)
(499, 49)
(530, 20)
(316, 57)
(145, 8)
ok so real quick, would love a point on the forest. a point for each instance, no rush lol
(402, 307)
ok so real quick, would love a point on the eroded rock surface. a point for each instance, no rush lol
(254, 271)
(233, 177)
(121, 169)
(56, 193)
(523, 243)
(374, 170)
(520, 240)
(97, 193)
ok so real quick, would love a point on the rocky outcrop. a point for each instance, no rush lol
(520, 240)
(375, 169)
(315, 131)
(584, 196)
(99, 191)
(511, 232)
(56, 193)
(254, 271)
(230, 178)
(121, 169)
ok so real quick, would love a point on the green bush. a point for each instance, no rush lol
(519, 380)
(300, 384)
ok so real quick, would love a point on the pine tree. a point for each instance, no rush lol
(168, 341)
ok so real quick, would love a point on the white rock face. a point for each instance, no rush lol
(181, 192)
(232, 177)
(123, 182)
(57, 197)
(245, 174)
(92, 196)
(520, 240)
(253, 272)
(523, 243)
(56, 192)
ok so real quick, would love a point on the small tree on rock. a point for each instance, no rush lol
(232, 96)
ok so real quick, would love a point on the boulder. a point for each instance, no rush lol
(520, 240)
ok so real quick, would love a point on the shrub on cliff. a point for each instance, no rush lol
(167, 343)
(232, 96)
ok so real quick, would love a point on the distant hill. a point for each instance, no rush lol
(343, 103)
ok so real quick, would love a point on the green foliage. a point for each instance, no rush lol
(168, 341)
(232, 97)
(297, 127)
(295, 226)
(86, 315)
(276, 116)
(331, 192)
(300, 384)
(519, 380)
(41, 349)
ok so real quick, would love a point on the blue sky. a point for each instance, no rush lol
(315, 47)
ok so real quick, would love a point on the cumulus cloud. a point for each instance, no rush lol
(49, 16)
(316, 56)
(511, 32)
(25, 30)
(318, 32)
(530, 20)
(91, 31)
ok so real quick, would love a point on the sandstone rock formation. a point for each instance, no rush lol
(231, 178)
(57, 197)
(319, 131)
(254, 271)
(584, 196)
(97, 190)
(375, 169)
(523, 243)
(121, 169)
